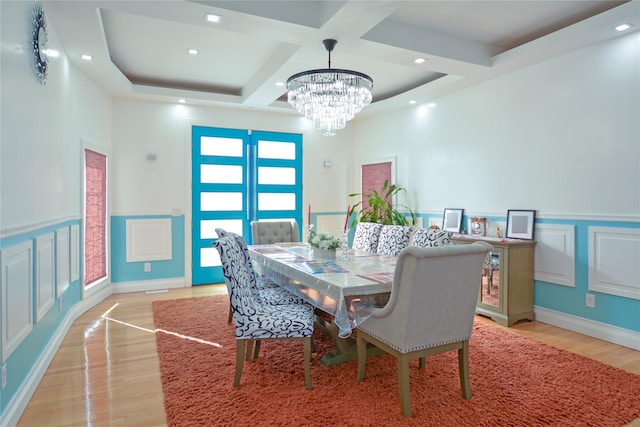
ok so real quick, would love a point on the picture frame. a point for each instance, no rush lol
(478, 226)
(520, 224)
(452, 220)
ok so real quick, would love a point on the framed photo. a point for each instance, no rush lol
(520, 224)
(452, 220)
(478, 226)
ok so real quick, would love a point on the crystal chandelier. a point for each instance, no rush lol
(329, 97)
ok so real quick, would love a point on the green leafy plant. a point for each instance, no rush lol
(381, 209)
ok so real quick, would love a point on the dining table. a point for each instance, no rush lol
(344, 288)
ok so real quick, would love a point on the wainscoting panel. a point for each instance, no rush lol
(62, 259)
(332, 224)
(555, 254)
(74, 263)
(148, 239)
(45, 274)
(17, 296)
(613, 261)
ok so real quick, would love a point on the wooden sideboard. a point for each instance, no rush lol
(506, 292)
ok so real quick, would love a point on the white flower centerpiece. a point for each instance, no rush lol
(324, 244)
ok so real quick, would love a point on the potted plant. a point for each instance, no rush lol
(381, 209)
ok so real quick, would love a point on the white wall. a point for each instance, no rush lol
(156, 187)
(562, 137)
(41, 128)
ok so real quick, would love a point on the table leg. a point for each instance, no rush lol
(345, 350)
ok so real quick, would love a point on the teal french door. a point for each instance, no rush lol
(238, 176)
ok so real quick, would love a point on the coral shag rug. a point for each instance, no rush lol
(515, 380)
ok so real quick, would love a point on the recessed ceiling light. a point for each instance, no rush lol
(182, 101)
(419, 60)
(413, 101)
(623, 27)
(211, 17)
(193, 51)
(279, 83)
(431, 105)
(86, 57)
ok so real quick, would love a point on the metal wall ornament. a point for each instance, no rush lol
(39, 43)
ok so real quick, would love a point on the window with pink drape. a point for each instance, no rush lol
(373, 178)
(95, 217)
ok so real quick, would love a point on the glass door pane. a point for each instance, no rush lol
(278, 176)
(239, 176)
(219, 195)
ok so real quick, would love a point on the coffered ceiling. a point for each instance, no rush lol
(140, 48)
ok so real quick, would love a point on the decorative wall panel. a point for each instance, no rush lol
(17, 296)
(148, 239)
(45, 274)
(74, 263)
(332, 224)
(613, 261)
(62, 259)
(554, 254)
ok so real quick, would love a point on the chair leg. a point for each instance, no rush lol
(257, 350)
(422, 362)
(230, 318)
(403, 385)
(249, 353)
(361, 348)
(306, 342)
(463, 366)
(239, 361)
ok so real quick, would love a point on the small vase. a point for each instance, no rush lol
(324, 253)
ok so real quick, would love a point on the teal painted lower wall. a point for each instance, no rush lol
(123, 271)
(610, 309)
(23, 359)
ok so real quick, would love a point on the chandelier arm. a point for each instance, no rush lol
(329, 70)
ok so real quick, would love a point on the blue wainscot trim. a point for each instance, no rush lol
(21, 365)
(123, 271)
(612, 310)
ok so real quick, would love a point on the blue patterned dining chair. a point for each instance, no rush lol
(366, 236)
(393, 239)
(256, 321)
(430, 238)
(431, 310)
(264, 290)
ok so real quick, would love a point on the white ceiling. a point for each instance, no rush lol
(140, 47)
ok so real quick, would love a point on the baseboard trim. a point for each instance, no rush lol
(612, 334)
(149, 285)
(17, 405)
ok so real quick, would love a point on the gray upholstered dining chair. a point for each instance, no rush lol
(431, 310)
(366, 236)
(393, 239)
(267, 232)
(255, 320)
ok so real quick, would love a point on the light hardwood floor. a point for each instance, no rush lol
(106, 373)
